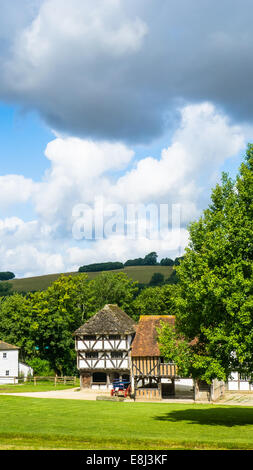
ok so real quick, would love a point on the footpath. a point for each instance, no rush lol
(231, 398)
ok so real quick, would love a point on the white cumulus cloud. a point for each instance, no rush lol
(82, 170)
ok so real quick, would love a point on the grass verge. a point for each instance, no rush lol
(30, 387)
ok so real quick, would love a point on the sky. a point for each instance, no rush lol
(113, 106)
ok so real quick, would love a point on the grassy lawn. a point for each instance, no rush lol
(30, 387)
(30, 423)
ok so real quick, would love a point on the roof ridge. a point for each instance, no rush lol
(4, 343)
(115, 320)
(157, 316)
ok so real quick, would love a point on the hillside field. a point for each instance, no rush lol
(142, 274)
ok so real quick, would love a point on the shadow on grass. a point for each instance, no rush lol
(218, 416)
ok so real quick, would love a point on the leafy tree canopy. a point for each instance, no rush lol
(112, 288)
(215, 292)
(5, 289)
(101, 267)
(41, 367)
(148, 260)
(157, 279)
(167, 262)
(6, 276)
(42, 323)
(155, 301)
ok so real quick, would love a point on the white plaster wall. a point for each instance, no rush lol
(10, 364)
(98, 387)
(123, 344)
(244, 386)
(98, 345)
(233, 386)
(186, 382)
(100, 364)
(25, 369)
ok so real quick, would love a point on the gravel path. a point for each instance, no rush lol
(243, 399)
(237, 398)
(70, 394)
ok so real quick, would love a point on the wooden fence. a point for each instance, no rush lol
(65, 380)
(151, 367)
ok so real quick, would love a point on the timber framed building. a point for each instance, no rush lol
(103, 347)
(152, 378)
(112, 346)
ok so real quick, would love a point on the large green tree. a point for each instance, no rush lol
(16, 323)
(112, 288)
(42, 323)
(57, 313)
(155, 301)
(6, 276)
(215, 290)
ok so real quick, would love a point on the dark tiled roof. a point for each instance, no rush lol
(5, 346)
(109, 320)
(145, 341)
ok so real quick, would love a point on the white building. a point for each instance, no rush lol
(10, 366)
(8, 362)
(239, 382)
(24, 370)
(111, 346)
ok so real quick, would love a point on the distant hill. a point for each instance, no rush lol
(143, 274)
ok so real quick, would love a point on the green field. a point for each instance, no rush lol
(33, 423)
(142, 274)
(39, 387)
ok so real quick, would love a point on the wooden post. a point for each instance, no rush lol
(64, 380)
(34, 380)
(160, 388)
(55, 380)
(108, 381)
(135, 387)
(173, 387)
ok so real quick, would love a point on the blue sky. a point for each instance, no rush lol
(23, 137)
(131, 103)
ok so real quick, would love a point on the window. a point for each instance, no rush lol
(91, 355)
(116, 354)
(114, 337)
(4, 355)
(126, 377)
(7, 372)
(99, 377)
(244, 378)
(89, 338)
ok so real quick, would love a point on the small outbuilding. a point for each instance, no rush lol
(9, 363)
(10, 366)
(152, 377)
